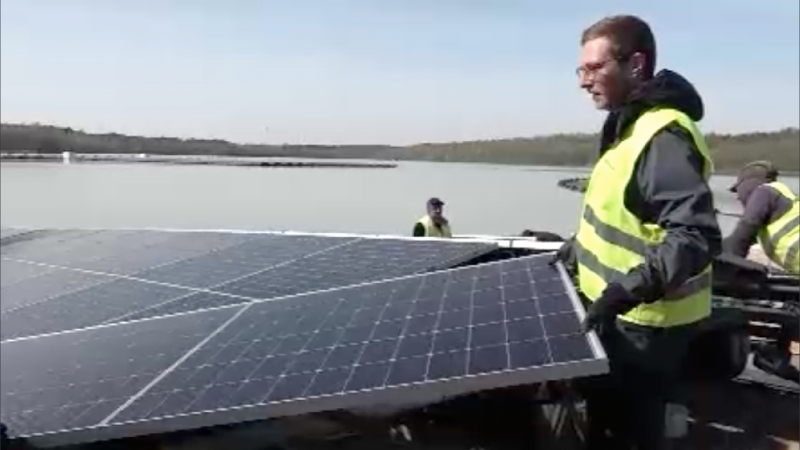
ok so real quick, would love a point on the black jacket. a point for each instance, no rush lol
(419, 230)
(668, 189)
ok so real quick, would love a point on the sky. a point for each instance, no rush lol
(373, 71)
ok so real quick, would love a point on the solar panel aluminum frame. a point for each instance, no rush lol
(399, 395)
(594, 340)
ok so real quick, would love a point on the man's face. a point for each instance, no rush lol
(435, 210)
(602, 75)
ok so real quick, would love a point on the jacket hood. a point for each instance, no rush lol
(666, 88)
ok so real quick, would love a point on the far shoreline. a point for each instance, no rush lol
(197, 160)
(278, 162)
(729, 152)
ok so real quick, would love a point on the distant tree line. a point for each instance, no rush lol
(730, 151)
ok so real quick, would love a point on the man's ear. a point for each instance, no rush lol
(637, 64)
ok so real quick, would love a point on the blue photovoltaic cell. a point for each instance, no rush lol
(41, 242)
(257, 254)
(158, 249)
(120, 252)
(75, 380)
(85, 307)
(190, 302)
(73, 246)
(359, 262)
(47, 283)
(12, 272)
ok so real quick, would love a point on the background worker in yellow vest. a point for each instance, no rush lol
(772, 217)
(433, 223)
(648, 232)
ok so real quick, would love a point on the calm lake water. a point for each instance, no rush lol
(481, 199)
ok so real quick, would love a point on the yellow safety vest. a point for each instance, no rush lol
(431, 230)
(611, 240)
(779, 239)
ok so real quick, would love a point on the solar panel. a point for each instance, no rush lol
(346, 263)
(255, 255)
(74, 380)
(39, 240)
(85, 307)
(359, 262)
(120, 252)
(411, 339)
(50, 245)
(68, 279)
(12, 272)
(35, 283)
(193, 302)
(127, 254)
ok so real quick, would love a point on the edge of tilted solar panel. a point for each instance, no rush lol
(427, 391)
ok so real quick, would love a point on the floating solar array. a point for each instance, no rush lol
(6, 233)
(235, 327)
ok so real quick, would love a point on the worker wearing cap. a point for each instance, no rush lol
(433, 223)
(647, 234)
(771, 216)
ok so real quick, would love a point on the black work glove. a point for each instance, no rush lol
(614, 301)
(566, 254)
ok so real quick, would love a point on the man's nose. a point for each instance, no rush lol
(585, 81)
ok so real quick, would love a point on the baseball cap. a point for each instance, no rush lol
(756, 170)
(435, 201)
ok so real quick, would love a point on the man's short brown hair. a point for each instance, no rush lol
(628, 35)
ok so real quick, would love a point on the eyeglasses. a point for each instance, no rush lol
(593, 68)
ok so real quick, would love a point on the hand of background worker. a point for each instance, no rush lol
(566, 254)
(614, 301)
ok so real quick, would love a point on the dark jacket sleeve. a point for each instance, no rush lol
(673, 193)
(756, 215)
(419, 230)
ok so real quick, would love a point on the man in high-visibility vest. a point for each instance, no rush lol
(771, 216)
(648, 232)
(433, 223)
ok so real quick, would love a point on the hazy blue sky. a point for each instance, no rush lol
(394, 71)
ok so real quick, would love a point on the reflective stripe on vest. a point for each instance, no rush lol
(779, 239)
(431, 230)
(611, 240)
